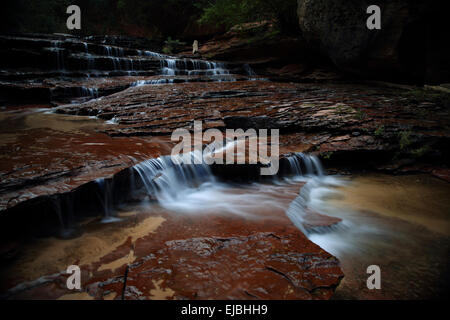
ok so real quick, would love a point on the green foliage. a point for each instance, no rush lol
(360, 115)
(132, 17)
(121, 4)
(420, 152)
(327, 155)
(406, 143)
(171, 45)
(34, 16)
(379, 132)
(342, 109)
(229, 13)
(405, 139)
(268, 35)
(139, 17)
(422, 95)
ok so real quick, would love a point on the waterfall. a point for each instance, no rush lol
(169, 67)
(89, 92)
(164, 178)
(192, 67)
(304, 165)
(149, 54)
(153, 81)
(249, 70)
(105, 195)
(308, 168)
(59, 54)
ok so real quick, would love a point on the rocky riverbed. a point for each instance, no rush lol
(84, 181)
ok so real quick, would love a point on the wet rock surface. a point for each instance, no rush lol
(44, 155)
(385, 128)
(222, 257)
(263, 51)
(333, 120)
(54, 161)
(45, 68)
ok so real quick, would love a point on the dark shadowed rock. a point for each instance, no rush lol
(409, 46)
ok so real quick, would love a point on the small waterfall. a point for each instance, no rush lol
(115, 54)
(105, 194)
(90, 62)
(153, 81)
(114, 51)
(169, 67)
(249, 70)
(192, 67)
(89, 92)
(302, 165)
(308, 168)
(57, 48)
(164, 178)
(171, 181)
(149, 54)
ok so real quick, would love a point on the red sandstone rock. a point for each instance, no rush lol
(213, 257)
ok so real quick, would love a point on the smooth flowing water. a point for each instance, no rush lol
(399, 223)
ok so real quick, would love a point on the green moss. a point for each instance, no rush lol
(344, 109)
(170, 45)
(360, 115)
(423, 95)
(405, 139)
(264, 37)
(379, 131)
(420, 152)
(327, 155)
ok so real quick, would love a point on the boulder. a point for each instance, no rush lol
(409, 46)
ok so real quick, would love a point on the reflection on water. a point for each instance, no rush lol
(398, 223)
(40, 118)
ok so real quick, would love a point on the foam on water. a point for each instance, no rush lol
(193, 189)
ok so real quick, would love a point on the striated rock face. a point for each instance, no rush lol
(52, 165)
(268, 53)
(51, 68)
(329, 119)
(409, 46)
(358, 124)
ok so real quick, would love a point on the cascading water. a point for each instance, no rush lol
(249, 70)
(152, 81)
(88, 61)
(149, 54)
(193, 188)
(164, 178)
(57, 48)
(105, 195)
(308, 168)
(192, 67)
(89, 92)
(169, 67)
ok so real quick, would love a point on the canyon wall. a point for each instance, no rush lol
(409, 46)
